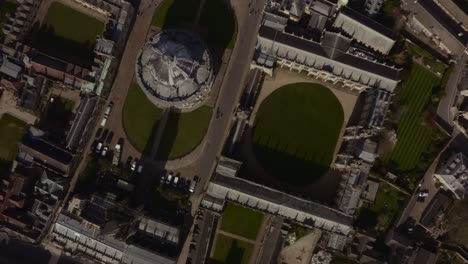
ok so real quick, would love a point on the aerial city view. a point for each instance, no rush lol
(234, 131)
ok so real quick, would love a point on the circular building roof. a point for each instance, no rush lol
(174, 68)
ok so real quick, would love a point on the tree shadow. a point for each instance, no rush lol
(217, 24)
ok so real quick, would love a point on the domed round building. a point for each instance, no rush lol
(174, 69)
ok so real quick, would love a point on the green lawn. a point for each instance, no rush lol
(220, 22)
(231, 251)
(140, 117)
(427, 58)
(12, 131)
(184, 132)
(413, 136)
(296, 131)
(381, 213)
(67, 34)
(217, 22)
(72, 24)
(241, 221)
(174, 13)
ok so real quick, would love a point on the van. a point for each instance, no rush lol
(176, 180)
(104, 121)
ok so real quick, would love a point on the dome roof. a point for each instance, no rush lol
(175, 66)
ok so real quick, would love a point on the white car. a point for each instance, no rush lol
(423, 194)
(98, 147)
(104, 121)
(175, 182)
(133, 165)
(193, 184)
(108, 110)
(169, 179)
(104, 151)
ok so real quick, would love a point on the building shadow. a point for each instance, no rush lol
(169, 136)
(216, 24)
(234, 256)
(44, 39)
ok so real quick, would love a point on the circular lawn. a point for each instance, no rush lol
(296, 131)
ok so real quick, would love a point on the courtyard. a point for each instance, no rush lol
(12, 131)
(241, 221)
(296, 132)
(231, 251)
(183, 131)
(67, 34)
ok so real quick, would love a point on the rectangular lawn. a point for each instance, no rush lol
(72, 24)
(413, 136)
(12, 131)
(231, 251)
(67, 34)
(241, 221)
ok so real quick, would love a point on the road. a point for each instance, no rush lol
(231, 88)
(444, 109)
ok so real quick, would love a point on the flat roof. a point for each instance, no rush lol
(283, 199)
(368, 22)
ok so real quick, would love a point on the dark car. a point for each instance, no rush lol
(99, 132)
(181, 183)
(121, 141)
(109, 137)
(104, 134)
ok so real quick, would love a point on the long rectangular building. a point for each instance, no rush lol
(331, 56)
(365, 30)
(278, 203)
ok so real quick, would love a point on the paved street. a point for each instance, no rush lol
(231, 88)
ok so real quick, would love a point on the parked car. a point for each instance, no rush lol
(104, 151)
(193, 184)
(104, 121)
(161, 181)
(140, 168)
(108, 109)
(98, 147)
(104, 134)
(175, 182)
(424, 193)
(133, 165)
(181, 184)
(169, 178)
(109, 137)
(99, 132)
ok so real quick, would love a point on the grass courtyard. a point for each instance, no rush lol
(414, 137)
(231, 251)
(217, 21)
(381, 213)
(12, 131)
(296, 132)
(241, 221)
(68, 34)
(140, 117)
(184, 132)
